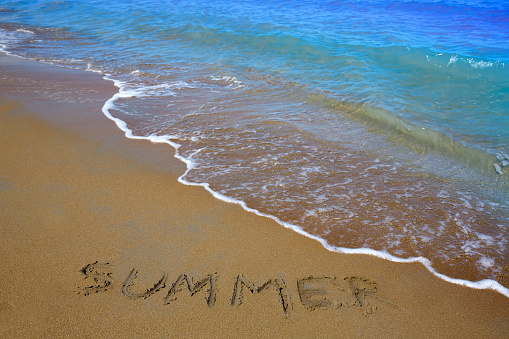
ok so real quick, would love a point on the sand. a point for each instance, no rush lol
(98, 239)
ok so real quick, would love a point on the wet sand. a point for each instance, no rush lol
(98, 239)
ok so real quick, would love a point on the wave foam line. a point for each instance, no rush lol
(482, 284)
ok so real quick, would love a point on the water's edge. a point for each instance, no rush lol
(482, 284)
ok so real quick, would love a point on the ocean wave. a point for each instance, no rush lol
(170, 140)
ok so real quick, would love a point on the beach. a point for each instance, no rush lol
(372, 129)
(99, 239)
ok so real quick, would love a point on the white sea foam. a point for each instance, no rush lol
(233, 81)
(486, 262)
(472, 62)
(480, 64)
(452, 60)
(91, 68)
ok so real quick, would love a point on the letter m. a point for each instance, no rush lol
(277, 284)
(193, 288)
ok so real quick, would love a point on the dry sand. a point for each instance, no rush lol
(78, 199)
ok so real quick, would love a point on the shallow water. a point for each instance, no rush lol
(368, 125)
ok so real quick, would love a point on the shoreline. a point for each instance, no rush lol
(481, 284)
(92, 194)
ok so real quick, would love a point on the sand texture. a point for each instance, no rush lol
(98, 239)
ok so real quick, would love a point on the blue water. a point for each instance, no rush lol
(369, 124)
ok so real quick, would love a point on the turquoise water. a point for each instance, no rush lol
(368, 124)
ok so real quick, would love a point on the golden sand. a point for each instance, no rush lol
(98, 239)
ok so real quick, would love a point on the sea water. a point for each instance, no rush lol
(372, 126)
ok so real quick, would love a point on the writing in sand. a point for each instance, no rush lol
(314, 293)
